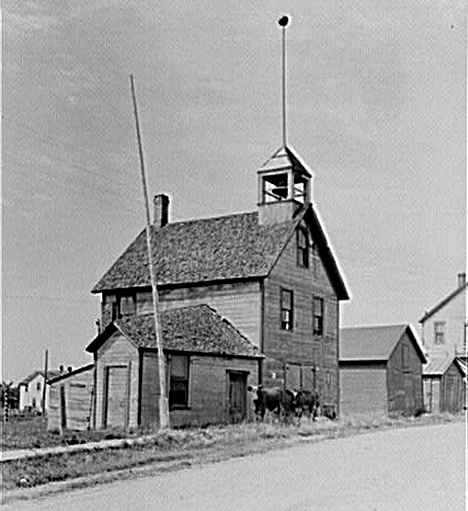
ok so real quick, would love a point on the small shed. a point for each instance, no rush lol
(209, 365)
(71, 400)
(380, 370)
(444, 385)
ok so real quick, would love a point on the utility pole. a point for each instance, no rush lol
(163, 401)
(283, 22)
(44, 390)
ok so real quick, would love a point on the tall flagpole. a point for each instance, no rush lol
(163, 401)
(283, 22)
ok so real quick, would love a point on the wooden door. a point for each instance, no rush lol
(409, 394)
(116, 397)
(237, 396)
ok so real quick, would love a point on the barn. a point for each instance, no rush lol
(380, 370)
(444, 385)
(209, 364)
(71, 400)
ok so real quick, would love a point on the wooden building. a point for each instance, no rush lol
(444, 326)
(444, 384)
(210, 365)
(380, 370)
(271, 273)
(71, 400)
(32, 393)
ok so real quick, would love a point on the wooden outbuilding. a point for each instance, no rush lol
(71, 400)
(209, 364)
(444, 384)
(380, 370)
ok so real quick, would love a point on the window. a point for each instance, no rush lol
(179, 379)
(26, 388)
(318, 316)
(405, 356)
(127, 305)
(286, 309)
(439, 327)
(328, 378)
(38, 385)
(302, 248)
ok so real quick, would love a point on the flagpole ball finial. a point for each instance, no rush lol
(283, 21)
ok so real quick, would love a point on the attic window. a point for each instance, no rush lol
(439, 328)
(302, 248)
(275, 188)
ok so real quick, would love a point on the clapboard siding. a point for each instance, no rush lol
(208, 390)
(444, 392)
(300, 345)
(239, 302)
(75, 392)
(117, 351)
(405, 383)
(363, 390)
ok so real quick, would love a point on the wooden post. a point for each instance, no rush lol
(44, 390)
(163, 401)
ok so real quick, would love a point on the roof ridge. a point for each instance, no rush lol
(443, 302)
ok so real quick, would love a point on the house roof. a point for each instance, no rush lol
(29, 378)
(438, 365)
(285, 158)
(214, 249)
(443, 302)
(196, 329)
(374, 343)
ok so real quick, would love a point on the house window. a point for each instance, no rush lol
(439, 327)
(179, 380)
(318, 316)
(286, 309)
(405, 356)
(38, 385)
(26, 388)
(128, 305)
(302, 248)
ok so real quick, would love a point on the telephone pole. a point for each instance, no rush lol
(163, 401)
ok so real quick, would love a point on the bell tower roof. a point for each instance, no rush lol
(286, 158)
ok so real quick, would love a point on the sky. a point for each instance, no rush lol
(376, 97)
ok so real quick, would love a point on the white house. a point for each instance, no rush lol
(31, 391)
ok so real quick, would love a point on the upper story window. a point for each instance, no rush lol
(38, 385)
(302, 248)
(405, 356)
(439, 332)
(122, 305)
(318, 316)
(26, 388)
(287, 309)
(179, 381)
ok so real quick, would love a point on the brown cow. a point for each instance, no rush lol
(307, 401)
(277, 400)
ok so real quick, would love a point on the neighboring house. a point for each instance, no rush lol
(380, 370)
(444, 327)
(210, 365)
(444, 384)
(31, 391)
(71, 400)
(271, 273)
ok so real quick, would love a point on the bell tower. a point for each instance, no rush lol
(284, 181)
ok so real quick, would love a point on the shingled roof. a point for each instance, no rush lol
(195, 329)
(374, 343)
(221, 248)
(438, 365)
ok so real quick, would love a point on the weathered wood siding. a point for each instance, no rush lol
(301, 346)
(71, 401)
(405, 392)
(363, 389)
(117, 351)
(208, 398)
(451, 390)
(237, 302)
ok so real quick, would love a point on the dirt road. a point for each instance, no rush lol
(420, 468)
